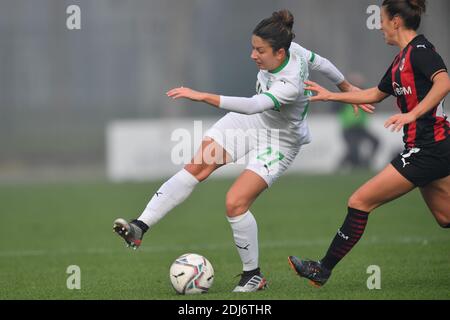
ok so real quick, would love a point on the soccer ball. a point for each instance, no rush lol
(191, 273)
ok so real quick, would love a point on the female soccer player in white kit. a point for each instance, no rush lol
(273, 125)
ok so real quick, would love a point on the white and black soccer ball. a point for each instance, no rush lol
(191, 273)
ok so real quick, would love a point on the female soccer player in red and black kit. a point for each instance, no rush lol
(418, 78)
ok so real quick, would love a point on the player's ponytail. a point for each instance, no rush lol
(277, 30)
(285, 17)
(410, 11)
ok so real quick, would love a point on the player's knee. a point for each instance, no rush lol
(236, 205)
(200, 171)
(356, 201)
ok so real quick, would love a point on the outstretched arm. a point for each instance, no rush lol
(361, 98)
(255, 104)
(346, 86)
(441, 87)
(326, 68)
(182, 92)
(329, 70)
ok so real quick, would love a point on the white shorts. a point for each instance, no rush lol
(247, 139)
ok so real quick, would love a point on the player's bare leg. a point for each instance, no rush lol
(244, 191)
(209, 157)
(437, 197)
(239, 199)
(388, 185)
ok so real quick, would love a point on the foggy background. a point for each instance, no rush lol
(60, 88)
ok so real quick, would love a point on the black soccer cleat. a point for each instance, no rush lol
(312, 270)
(130, 232)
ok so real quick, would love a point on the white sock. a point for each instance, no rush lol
(173, 192)
(245, 233)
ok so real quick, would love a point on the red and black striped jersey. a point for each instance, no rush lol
(410, 78)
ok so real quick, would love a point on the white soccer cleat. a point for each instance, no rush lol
(251, 282)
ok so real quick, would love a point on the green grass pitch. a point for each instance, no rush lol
(46, 228)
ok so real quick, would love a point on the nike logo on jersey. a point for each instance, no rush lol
(421, 46)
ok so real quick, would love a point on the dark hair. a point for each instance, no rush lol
(277, 30)
(409, 10)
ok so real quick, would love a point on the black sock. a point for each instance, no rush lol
(346, 238)
(254, 272)
(447, 226)
(141, 225)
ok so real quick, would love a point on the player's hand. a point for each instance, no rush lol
(398, 121)
(322, 94)
(366, 107)
(186, 93)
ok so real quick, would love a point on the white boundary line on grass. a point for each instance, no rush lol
(220, 246)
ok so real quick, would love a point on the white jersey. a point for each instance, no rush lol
(285, 86)
(281, 103)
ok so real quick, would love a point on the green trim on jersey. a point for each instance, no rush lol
(313, 57)
(307, 93)
(281, 67)
(275, 101)
(305, 113)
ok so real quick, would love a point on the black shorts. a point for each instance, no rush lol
(424, 165)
